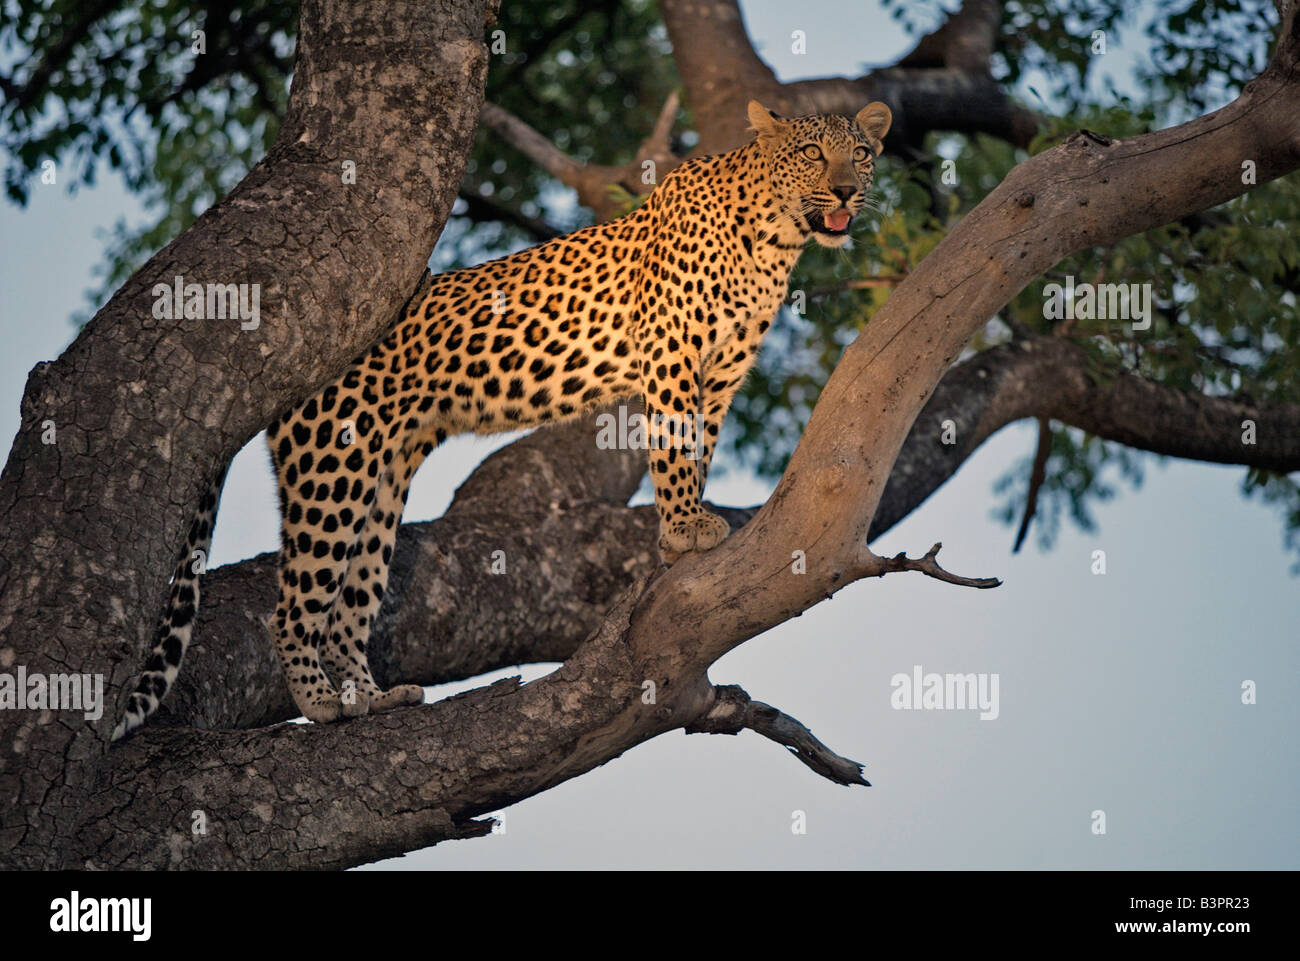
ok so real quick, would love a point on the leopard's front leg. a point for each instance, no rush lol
(670, 378)
(722, 378)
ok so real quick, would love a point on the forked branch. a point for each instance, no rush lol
(928, 565)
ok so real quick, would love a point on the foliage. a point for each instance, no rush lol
(118, 83)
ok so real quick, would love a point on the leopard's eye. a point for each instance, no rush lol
(860, 154)
(811, 151)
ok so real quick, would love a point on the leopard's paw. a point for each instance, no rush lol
(402, 695)
(356, 702)
(699, 532)
(323, 708)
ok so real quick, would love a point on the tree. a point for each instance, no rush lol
(626, 629)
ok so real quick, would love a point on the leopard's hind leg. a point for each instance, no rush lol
(328, 481)
(353, 614)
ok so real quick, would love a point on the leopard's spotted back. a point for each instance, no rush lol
(669, 302)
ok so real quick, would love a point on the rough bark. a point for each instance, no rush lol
(552, 501)
(147, 411)
(337, 795)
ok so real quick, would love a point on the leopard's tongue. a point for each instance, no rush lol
(838, 219)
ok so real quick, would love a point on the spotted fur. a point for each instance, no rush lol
(177, 623)
(669, 303)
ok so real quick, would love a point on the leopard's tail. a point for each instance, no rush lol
(176, 626)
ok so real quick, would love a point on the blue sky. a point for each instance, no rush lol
(1118, 692)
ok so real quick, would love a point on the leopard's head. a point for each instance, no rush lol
(821, 167)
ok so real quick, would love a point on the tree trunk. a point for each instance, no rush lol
(146, 411)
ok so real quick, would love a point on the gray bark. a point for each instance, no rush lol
(148, 411)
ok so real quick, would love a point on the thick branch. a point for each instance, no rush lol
(556, 504)
(330, 796)
(1082, 193)
(964, 40)
(722, 72)
(570, 498)
(553, 502)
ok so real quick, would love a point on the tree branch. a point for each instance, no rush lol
(1050, 377)
(553, 502)
(965, 40)
(1076, 195)
(928, 565)
(722, 72)
(570, 497)
(733, 711)
(591, 181)
(1037, 474)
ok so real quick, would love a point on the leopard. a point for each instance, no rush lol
(668, 303)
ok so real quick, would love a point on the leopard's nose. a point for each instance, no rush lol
(844, 193)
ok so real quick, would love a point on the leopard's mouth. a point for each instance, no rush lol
(831, 229)
(836, 223)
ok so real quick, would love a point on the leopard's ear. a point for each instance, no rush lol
(874, 120)
(766, 123)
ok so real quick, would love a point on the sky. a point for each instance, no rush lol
(1118, 692)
